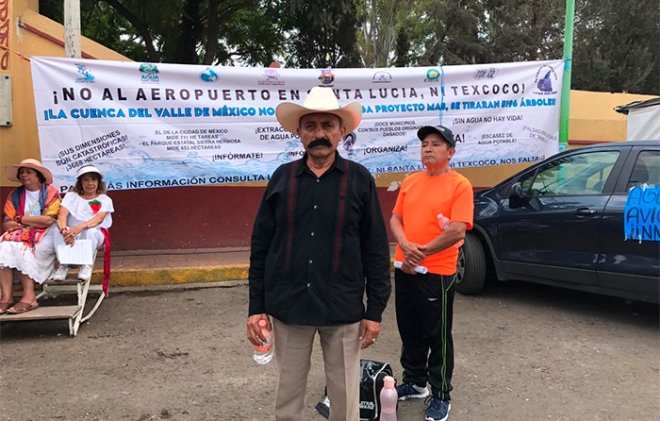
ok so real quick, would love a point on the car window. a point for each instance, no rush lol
(579, 174)
(526, 182)
(646, 170)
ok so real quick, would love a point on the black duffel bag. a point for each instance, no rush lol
(372, 374)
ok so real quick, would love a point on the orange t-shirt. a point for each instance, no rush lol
(420, 200)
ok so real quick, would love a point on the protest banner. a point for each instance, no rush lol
(158, 125)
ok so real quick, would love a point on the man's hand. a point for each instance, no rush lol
(254, 331)
(369, 331)
(408, 267)
(413, 252)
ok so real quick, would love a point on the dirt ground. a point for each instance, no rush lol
(523, 352)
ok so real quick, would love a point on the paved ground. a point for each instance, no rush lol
(523, 352)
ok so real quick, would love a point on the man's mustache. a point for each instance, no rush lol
(320, 142)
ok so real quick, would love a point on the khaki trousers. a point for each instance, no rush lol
(341, 358)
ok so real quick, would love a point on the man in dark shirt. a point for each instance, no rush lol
(318, 242)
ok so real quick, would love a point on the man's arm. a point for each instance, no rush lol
(262, 237)
(449, 237)
(376, 263)
(413, 252)
(462, 214)
(375, 256)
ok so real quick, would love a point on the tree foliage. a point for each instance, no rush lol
(524, 30)
(616, 42)
(182, 31)
(616, 46)
(321, 34)
(383, 25)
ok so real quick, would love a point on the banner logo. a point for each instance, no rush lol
(432, 75)
(348, 143)
(488, 73)
(544, 81)
(326, 78)
(87, 76)
(149, 73)
(381, 77)
(208, 75)
(272, 78)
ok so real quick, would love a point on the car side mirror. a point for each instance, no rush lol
(516, 196)
(516, 191)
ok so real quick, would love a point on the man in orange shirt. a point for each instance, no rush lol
(424, 301)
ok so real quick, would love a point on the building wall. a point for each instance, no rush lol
(20, 139)
(216, 216)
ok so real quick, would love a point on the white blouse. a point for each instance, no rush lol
(83, 210)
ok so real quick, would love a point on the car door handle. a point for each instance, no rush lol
(584, 212)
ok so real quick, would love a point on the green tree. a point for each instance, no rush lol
(383, 26)
(484, 31)
(523, 30)
(616, 42)
(445, 32)
(402, 51)
(322, 34)
(182, 31)
(616, 46)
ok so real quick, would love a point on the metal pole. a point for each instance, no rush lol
(72, 28)
(566, 85)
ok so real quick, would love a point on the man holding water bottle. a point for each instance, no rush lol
(426, 258)
(318, 244)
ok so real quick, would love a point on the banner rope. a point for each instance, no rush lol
(18, 53)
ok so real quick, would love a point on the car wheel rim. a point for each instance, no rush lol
(460, 266)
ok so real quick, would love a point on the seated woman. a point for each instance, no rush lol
(27, 244)
(85, 214)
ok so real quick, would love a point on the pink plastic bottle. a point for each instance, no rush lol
(264, 353)
(444, 223)
(388, 400)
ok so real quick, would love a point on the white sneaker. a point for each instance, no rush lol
(85, 272)
(60, 273)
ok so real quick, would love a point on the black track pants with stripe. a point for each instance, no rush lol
(424, 312)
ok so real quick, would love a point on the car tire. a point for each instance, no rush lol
(471, 267)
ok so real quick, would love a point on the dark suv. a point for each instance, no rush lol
(561, 222)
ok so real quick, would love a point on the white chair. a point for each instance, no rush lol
(74, 313)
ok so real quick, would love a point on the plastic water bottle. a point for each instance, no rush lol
(264, 353)
(388, 400)
(444, 223)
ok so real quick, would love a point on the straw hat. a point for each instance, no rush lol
(11, 171)
(319, 100)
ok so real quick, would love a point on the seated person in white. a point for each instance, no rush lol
(84, 214)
